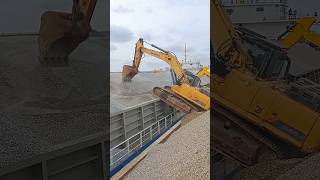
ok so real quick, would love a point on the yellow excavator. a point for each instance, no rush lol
(301, 32)
(259, 112)
(185, 95)
(60, 33)
(204, 72)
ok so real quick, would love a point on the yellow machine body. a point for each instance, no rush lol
(191, 95)
(267, 107)
(60, 33)
(241, 96)
(301, 32)
(204, 72)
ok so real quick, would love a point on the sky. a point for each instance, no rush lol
(166, 23)
(24, 16)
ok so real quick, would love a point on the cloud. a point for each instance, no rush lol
(120, 34)
(179, 48)
(113, 47)
(149, 10)
(204, 58)
(150, 63)
(145, 35)
(117, 64)
(122, 10)
(167, 27)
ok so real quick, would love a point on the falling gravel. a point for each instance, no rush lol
(139, 90)
(185, 154)
(41, 107)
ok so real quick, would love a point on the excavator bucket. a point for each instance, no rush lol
(58, 38)
(128, 72)
(60, 33)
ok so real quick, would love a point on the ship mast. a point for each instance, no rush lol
(185, 53)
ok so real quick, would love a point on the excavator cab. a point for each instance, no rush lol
(270, 61)
(60, 33)
(193, 80)
(182, 95)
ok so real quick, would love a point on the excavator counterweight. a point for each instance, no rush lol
(301, 31)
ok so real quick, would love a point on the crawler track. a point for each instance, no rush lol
(237, 140)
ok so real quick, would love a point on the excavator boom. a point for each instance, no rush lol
(129, 72)
(301, 31)
(60, 33)
(227, 42)
(183, 95)
(232, 88)
(204, 72)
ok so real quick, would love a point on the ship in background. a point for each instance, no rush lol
(186, 63)
(271, 18)
(189, 64)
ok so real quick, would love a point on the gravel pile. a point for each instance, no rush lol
(41, 107)
(308, 169)
(25, 83)
(126, 95)
(267, 170)
(23, 136)
(296, 169)
(185, 154)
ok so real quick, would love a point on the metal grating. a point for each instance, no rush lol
(131, 121)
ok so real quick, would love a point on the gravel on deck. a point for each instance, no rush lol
(41, 107)
(267, 170)
(139, 90)
(308, 169)
(184, 155)
(296, 169)
(24, 136)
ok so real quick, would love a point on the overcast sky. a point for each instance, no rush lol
(166, 23)
(24, 16)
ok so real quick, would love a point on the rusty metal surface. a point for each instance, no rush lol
(240, 142)
(233, 147)
(128, 72)
(172, 99)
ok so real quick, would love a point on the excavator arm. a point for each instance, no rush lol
(183, 95)
(225, 40)
(233, 90)
(129, 72)
(60, 33)
(300, 31)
